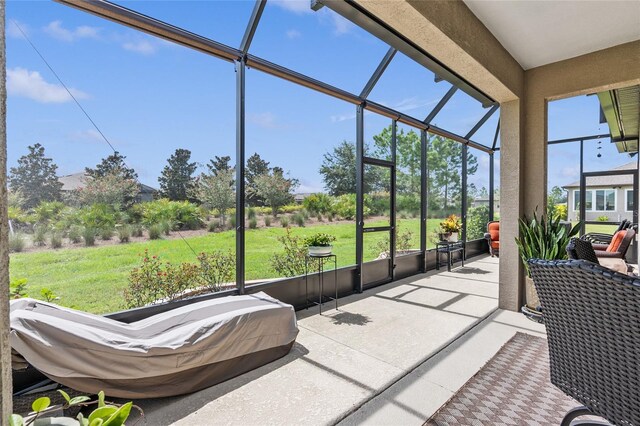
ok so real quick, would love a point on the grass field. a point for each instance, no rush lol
(93, 278)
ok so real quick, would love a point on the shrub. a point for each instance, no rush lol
(183, 214)
(291, 208)
(56, 240)
(345, 207)
(48, 211)
(75, 234)
(253, 223)
(291, 262)
(136, 230)
(40, 235)
(284, 221)
(155, 232)
(154, 281)
(318, 203)
(298, 218)
(18, 288)
(560, 210)
(98, 216)
(89, 236)
(267, 220)
(477, 219)
(603, 218)
(124, 233)
(217, 268)
(16, 242)
(251, 213)
(112, 189)
(304, 213)
(166, 226)
(106, 234)
(377, 204)
(408, 202)
(232, 222)
(214, 226)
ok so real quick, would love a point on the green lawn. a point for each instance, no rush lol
(93, 278)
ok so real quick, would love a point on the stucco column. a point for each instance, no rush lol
(511, 203)
(5, 349)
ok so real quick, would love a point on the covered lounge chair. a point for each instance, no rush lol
(179, 351)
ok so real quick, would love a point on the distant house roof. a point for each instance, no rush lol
(620, 180)
(76, 181)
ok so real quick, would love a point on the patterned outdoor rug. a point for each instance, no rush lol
(513, 388)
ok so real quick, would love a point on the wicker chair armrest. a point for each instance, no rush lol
(597, 238)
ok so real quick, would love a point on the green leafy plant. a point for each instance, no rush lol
(124, 233)
(48, 295)
(319, 240)
(291, 261)
(75, 234)
(543, 238)
(89, 236)
(318, 203)
(18, 288)
(217, 268)
(603, 218)
(105, 414)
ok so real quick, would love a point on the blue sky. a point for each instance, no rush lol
(150, 97)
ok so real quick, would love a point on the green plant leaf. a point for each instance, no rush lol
(97, 422)
(101, 399)
(120, 416)
(79, 400)
(82, 420)
(102, 413)
(41, 404)
(65, 396)
(16, 420)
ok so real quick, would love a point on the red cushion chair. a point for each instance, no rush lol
(493, 238)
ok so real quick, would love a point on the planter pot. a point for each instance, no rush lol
(453, 237)
(444, 236)
(530, 294)
(320, 250)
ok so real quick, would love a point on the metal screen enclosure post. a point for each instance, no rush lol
(491, 186)
(583, 190)
(240, 142)
(463, 207)
(359, 195)
(392, 194)
(424, 174)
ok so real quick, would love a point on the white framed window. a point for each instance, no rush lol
(588, 200)
(629, 200)
(605, 200)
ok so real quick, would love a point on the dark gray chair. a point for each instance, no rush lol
(592, 317)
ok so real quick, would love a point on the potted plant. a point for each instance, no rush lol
(541, 238)
(450, 227)
(319, 244)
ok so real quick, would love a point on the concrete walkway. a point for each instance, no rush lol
(385, 357)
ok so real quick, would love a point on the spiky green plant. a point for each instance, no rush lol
(543, 238)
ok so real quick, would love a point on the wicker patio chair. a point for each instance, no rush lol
(581, 249)
(623, 239)
(592, 317)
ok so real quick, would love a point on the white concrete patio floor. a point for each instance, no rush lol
(392, 355)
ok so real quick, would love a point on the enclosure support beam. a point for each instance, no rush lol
(424, 197)
(378, 72)
(252, 26)
(583, 188)
(359, 195)
(465, 155)
(482, 121)
(491, 186)
(440, 104)
(240, 154)
(392, 193)
(495, 137)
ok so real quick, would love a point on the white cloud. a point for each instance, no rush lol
(340, 24)
(144, 47)
(266, 120)
(295, 6)
(90, 135)
(291, 34)
(414, 102)
(30, 84)
(56, 30)
(13, 31)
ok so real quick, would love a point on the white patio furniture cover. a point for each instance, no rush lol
(171, 353)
